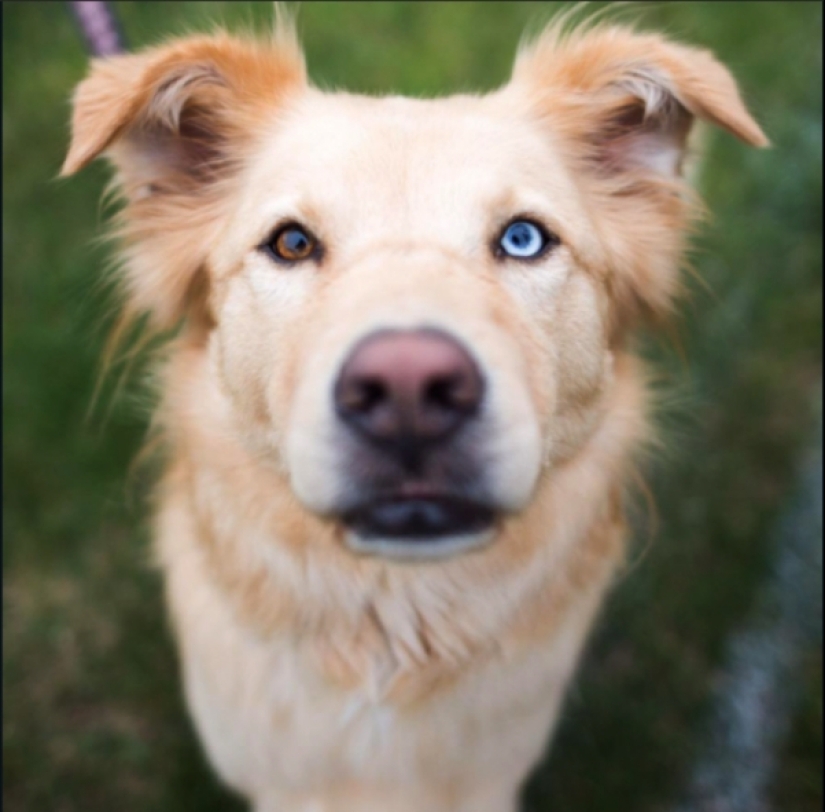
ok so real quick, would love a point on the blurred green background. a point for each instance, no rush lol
(93, 718)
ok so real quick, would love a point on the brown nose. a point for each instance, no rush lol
(408, 386)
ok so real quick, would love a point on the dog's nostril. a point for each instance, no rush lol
(362, 395)
(439, 393)
(456, 392)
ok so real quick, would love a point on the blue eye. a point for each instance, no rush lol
(523, 240)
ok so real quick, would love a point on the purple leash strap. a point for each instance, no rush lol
(99, 27)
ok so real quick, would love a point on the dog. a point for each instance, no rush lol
(401, 408)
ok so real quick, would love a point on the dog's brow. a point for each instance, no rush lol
(510, 203)
(282, 210)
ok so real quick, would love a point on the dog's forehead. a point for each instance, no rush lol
(391, 152)
(338, 126)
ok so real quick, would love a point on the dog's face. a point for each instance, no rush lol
(439, 340)
(411, 306)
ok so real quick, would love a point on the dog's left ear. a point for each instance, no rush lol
(620, 106)
(632, 96)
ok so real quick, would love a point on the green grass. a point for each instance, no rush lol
(93, 717)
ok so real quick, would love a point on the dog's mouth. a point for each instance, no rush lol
(412, 518)
(417, 526)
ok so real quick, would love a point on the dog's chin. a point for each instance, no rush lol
(419, 528)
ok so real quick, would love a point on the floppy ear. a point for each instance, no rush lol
(622, 105)
(176, 122)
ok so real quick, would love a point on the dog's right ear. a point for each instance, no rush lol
(177, 110)
(177, 121)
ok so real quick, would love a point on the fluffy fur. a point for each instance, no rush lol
(317, 677)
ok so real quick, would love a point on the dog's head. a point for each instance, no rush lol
(412, 306)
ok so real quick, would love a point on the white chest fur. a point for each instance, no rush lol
(273, 726)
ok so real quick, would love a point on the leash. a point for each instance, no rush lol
(99, 26)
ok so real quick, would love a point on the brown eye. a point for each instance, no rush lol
(292, 244)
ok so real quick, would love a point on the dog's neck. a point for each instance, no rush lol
(396, 629)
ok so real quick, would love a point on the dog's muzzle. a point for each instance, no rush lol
(408, 400)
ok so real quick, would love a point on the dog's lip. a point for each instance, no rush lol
(417, 514)
(417, 490)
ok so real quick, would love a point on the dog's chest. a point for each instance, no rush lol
(275, 712)
(368, 726)
(268, 713)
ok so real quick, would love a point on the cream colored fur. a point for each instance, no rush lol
(321, 679)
